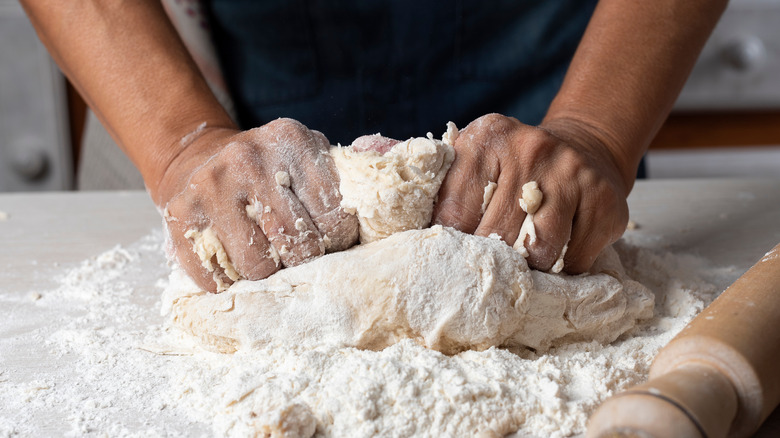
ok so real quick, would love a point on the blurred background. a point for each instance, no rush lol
(726, 122)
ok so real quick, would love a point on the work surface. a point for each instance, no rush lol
(730, 222)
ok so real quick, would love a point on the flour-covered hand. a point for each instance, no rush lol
(269, 195)
(584, 205)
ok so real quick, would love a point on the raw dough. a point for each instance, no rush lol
(530, 202)
(393, 192)
(444, 289)
(206, 245)
(487, 195)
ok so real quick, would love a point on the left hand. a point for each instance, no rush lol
(584, 191)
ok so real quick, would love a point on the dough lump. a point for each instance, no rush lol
(444, 289)
(393, 192)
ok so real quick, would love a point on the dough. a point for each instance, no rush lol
(393, 192)
(207, 245)
(487, 195)
(529, 202)
(444, 289)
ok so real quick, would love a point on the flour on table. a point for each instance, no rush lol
(101, 378)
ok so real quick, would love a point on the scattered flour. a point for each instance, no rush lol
(113, 370)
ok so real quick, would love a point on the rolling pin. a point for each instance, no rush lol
(719, 377)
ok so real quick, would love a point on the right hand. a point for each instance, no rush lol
(216, 176)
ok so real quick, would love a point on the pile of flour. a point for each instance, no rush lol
(119, 372)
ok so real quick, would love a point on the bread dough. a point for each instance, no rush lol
(393, 192)
(444, 289)
(207, 245)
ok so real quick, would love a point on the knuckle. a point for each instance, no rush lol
(238, 152)
(539, 136)
(287, 128)
(496, 121)
(281, 123)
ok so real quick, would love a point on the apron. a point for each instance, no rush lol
(400, 68)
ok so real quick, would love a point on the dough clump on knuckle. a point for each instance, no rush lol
(444, 289)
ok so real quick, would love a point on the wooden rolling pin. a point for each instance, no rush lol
(719, 377)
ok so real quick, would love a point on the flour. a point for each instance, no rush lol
(93, 380)
(102, 325)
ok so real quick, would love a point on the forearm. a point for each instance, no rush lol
(129, 64)
(629, 69)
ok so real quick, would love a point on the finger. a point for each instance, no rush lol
(247, 248)
(287, 225)
(553, 225)
(183, 247)
(503, 214)
(459, 204)
(314, 180)
(593, 230)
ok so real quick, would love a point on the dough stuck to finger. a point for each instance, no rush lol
(207, 245)
(490, 188)
(530, 202)
(282, 178)
(558, 265)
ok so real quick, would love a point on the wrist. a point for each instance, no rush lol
(623, 154)
(166, 173)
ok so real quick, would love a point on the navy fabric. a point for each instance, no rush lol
(402, 68)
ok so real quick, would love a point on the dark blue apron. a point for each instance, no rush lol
(402, 68)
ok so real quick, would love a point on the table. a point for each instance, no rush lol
(730, 222)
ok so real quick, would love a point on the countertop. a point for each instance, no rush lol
(728, 221)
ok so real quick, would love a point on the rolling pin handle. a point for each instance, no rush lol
(692, 401)
(718, 377)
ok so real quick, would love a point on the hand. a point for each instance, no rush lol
(270, 194)
(584, 200)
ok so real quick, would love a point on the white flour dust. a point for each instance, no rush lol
(110, 369)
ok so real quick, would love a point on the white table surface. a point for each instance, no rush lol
(730, 222)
